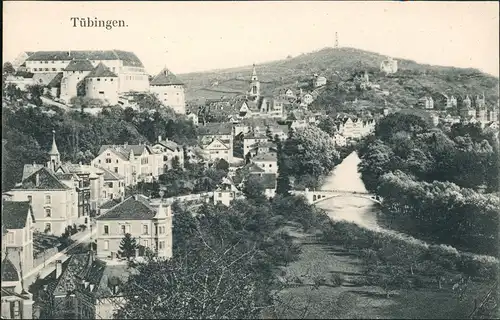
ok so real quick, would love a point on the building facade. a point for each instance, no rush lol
(169, 90)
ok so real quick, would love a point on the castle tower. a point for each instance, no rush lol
(54, 156)
(163, 225)
(255, 84)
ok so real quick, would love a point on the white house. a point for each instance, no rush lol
(169, 90)
(319, 81)
(226, 192)
(267, 161)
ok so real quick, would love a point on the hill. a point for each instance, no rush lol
(412, 81)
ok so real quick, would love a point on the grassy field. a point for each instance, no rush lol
(301, 299)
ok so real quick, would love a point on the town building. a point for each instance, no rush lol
(134, 162)
(226, 192)
(165, 152)
(194, 118)
(126, 65)
(113, 187)
(16, 301)
(216, 141)
(151, 227)
(339, 140)
(319, 81)
(218, 149)
(21, 79)
(20, 60)
(250, 141)
(281, 131)
(389, 66)
(73, 79)
(169, 90)
(85, 287)
(54, 203)
(267, 161)
(18, 221)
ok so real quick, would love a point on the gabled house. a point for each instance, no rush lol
(134, 162)
(250, 141)
(165, 152)
(267, 161)
(226, 192)
(150, 226)
(85, 287)
(19, 223)
(219, 149)
(113, 186)
(54, 203)
(17, 302)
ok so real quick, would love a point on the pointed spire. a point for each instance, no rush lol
(53, 150)
(161, 213)
(254, 72)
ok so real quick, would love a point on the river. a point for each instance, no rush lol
(361, 211)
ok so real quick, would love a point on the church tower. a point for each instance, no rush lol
(54, 156)
(254, 84)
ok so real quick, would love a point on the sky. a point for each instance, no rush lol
(198, 36)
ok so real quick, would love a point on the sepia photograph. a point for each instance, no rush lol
(250, 160)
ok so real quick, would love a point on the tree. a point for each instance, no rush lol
(254, 188)
(128, 246)
(210, 283)
(35, 92)
(8, 68)
(222, 165)
(328, 125)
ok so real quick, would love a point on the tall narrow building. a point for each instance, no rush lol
(254, 85)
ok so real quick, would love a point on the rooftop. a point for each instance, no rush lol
(42, 179)
(101, 71)
(9, 271)
(265, 157)
(128, 58)
(79, 65)
(15, 214)
(165, 78)
(132, 208)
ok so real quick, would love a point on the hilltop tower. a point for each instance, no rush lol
(254, 84)
(54, 156)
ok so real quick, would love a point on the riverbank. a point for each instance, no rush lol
(310, 288)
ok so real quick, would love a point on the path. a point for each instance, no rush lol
(44, 269)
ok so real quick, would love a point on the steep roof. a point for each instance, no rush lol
(128, 58)
(216, 128)
(71, 276)
(169, 144)
(15, 214)
(253, 168)
(265, 157)
(24, 74)
(47, 181)
(56, 82)
(109, 204)
(101, 71)
(110, 175)
(9, 271)
(130, 209)
(79, 65)
(44, 78)
(29, 169)
(165, 78)
(124, 150)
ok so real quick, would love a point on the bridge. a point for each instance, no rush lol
(315, 196)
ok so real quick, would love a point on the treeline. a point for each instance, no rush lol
(224, 263)
(27, 133)
(436, 185)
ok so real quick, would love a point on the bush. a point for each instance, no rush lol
(336, 280)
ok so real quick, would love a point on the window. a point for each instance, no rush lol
(48, 199)
(145, 229)
(123, 229)
(116, 169)
(30, 198)
(146, 243)
(99, 161)
(162, 244)
(48, 227)
(48, 212)
(10, 237)
(101, 92)
(54, 69)
(106, 229)
(46, 69)
(116, 160)
(270, 165)
(128, 228)
(110, 184)
(111, 79)
(220, 194)
(98, 79)
(106, 245)
(108, 160)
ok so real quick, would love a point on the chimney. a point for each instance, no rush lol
(58, 268)
(37, 179)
